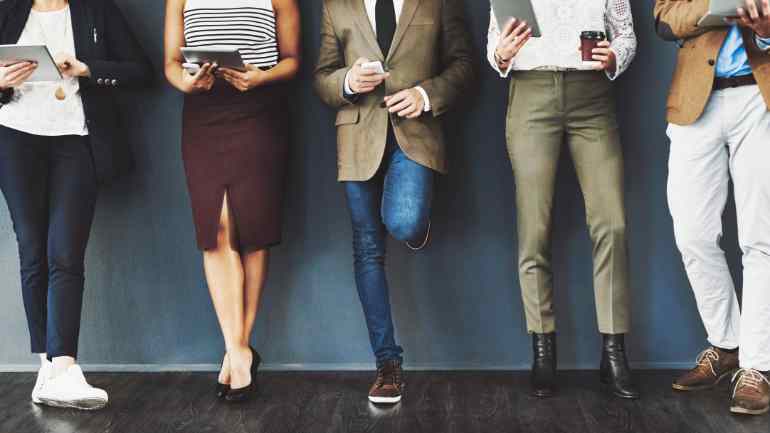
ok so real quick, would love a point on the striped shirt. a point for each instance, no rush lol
(247, 25)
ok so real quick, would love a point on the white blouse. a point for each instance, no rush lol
(35, 109)
(561, 22)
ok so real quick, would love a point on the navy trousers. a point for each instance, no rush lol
(397, 201)
(49, 185)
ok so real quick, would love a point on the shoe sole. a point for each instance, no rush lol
(719, 380)
(385, 400)
(743, 411)
(82, 404)
(607, 384)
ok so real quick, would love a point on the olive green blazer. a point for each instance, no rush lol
(431, 48)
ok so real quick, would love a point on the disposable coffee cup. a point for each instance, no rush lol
(588, 41)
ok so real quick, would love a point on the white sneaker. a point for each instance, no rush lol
(70, 390)
(42, 377)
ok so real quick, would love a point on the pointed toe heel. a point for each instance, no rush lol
(238, 395)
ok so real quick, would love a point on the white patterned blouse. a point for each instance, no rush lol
(561, 22)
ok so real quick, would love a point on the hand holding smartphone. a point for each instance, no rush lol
(374, 67)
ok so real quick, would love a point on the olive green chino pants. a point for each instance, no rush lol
(547, 110)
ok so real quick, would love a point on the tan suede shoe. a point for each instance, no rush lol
(713, 366)
(751, 392)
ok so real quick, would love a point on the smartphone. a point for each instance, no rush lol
(374, 66)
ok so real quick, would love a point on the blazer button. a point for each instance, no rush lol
(712, 62)
(100, 81)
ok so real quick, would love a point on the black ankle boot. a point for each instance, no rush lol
(544, 365)
(614, 370)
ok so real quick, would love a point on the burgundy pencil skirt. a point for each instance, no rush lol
(237, 143)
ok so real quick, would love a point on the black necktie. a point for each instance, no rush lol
(385, 16)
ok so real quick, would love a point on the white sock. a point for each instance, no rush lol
(43, 359)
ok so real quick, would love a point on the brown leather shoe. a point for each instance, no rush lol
(713, 366)
(388, 386)
(751, 392)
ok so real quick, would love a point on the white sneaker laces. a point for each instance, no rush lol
(750, 378)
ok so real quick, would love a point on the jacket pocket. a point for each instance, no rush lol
(347, 116)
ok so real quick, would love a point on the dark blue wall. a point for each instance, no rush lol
(457, 305)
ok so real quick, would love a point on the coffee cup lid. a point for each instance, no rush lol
(593, 34)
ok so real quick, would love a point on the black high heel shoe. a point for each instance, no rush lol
(221, 389)
(237, 395)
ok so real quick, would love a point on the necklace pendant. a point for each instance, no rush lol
(60, 94)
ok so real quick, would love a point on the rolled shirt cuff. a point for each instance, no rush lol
(424, 98)
(504, 73)
(347, 91)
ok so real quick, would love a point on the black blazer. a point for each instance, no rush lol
(104, 41)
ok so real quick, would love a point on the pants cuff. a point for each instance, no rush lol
(381, 362)
(727, 345)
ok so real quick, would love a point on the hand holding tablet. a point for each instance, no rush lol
(45, 70)
(519, 11)
(513, 37)
(15, 75)
(198, 80)
(755, 15)
(222, 57)
(747, 13)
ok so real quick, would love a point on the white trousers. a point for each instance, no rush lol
(731, 139)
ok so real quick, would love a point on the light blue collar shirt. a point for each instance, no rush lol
(733, 60)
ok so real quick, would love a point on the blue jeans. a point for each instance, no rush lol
(397, 200)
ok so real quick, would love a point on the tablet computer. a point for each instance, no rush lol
(719, 13)
(223, 57)
(522, 10)
(46, 67)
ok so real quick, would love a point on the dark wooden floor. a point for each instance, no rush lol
(336, 403)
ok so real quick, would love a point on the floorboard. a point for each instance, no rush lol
(435, 402)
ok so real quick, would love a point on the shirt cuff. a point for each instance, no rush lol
(762, 43)
(424, 98)
(349, 93)
(505, 73)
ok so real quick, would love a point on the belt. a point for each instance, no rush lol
(728, 83)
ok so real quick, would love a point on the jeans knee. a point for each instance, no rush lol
(32, 253)
(65, 263)
(406, 229)
(368, 246)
